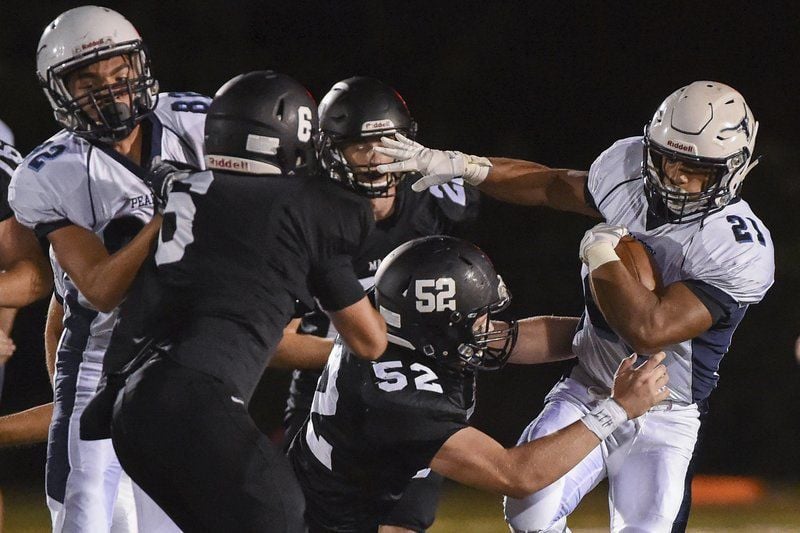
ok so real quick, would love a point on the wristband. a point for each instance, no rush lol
(476, 169)
(605, 418)
(600, 254)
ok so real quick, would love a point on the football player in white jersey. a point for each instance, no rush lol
(676, 189)
(86, 190)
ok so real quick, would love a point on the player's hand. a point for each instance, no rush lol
(7, 347)
(437, 166)
(160, 179)
(639, 389)
(598, 243)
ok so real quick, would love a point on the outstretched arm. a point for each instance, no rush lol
(510, 180)
(544, 339)
(473, 458)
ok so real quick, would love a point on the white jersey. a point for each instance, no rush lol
(69, 180)
(728, 260)
(9, 159)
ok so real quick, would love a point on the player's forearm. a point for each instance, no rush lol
(25, 282)
(362, 328)
(536, 464)
(304, 352)
(631, 310)
(527, 183)
(544, 339)
(473, 458)
(7, 316)
(27, 427)
(518, 182)
(106, 282)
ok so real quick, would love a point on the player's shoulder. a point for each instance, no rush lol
(733, 251)
(58, 163)
(621, 162)
(182, 111)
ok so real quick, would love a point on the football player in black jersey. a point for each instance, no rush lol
(353, 116)
(240, 244)
(375, 425)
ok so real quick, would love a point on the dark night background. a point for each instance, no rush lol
(552, 82)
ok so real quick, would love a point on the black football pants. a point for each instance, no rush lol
(185, 439)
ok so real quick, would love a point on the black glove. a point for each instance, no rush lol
(160, 178)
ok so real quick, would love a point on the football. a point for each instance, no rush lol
(639, 262)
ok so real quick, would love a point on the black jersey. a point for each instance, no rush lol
(374, 425)
(237, 251)
(433, 212)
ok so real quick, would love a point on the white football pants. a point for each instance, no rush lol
(645, 460)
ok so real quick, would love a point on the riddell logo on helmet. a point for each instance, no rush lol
(373, 125)
(227, 163)
(94, 44)
(683, 147)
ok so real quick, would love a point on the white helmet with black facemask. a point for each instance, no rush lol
(83, 36)
(705, 126)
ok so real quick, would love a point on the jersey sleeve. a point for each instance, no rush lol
(733, 254)
(36, 202)
(9, 160)
(611, 170)
(5, 208)
(335, 284)
(343, 222)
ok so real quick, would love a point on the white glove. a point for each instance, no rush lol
(597, 245)
(437, 166)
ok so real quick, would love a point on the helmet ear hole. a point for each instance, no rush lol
(279, 110)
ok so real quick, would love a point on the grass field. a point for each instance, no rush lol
(469, 511)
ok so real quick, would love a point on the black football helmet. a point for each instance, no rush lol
(262, 122)
(358, 108)
(434, 293)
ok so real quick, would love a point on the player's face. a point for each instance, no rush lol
(103, 81)
(362, 158)
(689, 178)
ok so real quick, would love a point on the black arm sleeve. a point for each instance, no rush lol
(718, 302)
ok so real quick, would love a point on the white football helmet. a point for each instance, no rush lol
(82, 36)
(706, 125)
